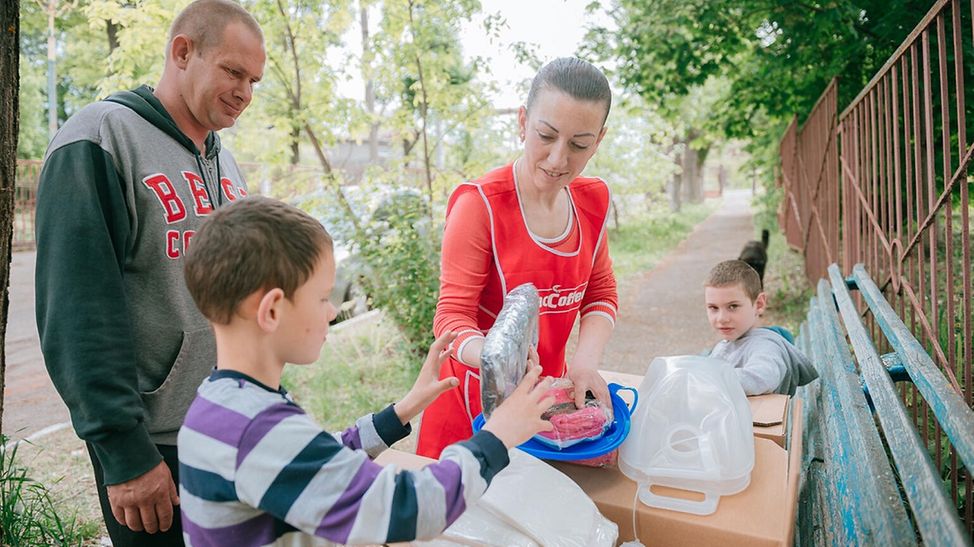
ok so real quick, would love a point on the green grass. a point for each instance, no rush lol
(30, 514)
(785, 284)
(361, 370)
(643, 239)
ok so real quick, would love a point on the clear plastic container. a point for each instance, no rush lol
(692, 432)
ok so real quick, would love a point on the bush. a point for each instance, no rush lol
(402, 254)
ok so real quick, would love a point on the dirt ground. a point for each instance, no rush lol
(661, 312)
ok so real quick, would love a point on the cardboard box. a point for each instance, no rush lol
(763, 514)
(770, 416)
(769, 412)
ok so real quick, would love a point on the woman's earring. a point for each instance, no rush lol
(522, 136)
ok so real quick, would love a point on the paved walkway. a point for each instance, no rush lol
(29, 400)
(661, 312)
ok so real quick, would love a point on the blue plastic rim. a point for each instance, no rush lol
(617, 432)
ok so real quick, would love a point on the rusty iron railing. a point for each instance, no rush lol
(899, 192)
(25, 198)
(809, 174)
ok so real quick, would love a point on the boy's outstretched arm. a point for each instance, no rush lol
(303, 476)
(764, 369)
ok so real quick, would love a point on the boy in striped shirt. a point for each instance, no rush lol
(254, 468)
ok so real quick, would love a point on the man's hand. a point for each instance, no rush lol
(145, 502)
(428, 386)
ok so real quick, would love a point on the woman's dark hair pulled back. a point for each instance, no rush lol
(578, 79)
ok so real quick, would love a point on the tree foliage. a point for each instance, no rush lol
(777, 55)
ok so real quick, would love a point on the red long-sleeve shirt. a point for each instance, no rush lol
(468, 270)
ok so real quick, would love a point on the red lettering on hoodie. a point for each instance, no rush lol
(173, 208)
(200, 195)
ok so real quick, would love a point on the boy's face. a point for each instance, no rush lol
(306, 315)
(731, 312)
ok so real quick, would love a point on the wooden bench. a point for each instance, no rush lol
(868, 477)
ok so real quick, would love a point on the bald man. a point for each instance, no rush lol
(126, 183)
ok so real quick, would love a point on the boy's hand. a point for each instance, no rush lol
(428, 386)
(518, 418)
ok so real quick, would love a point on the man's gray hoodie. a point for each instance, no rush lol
(121, 194)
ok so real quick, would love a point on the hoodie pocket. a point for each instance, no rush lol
(167, 404)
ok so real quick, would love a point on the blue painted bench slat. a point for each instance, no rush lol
(936, 518)
(868, 478)
(955, 417)
(864, 478)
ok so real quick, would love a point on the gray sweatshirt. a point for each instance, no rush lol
(765, 362)
(121, 194)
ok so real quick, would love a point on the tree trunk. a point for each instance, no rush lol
(424, 115)
(369, 85)
(52, 107)
(112, 30)
(9, 121)
(697, 191)
(295, 144)
(675, 182)
(689, 173)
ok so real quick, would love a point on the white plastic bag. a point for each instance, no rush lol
(530, 504)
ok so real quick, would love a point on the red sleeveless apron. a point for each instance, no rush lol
(561, 279)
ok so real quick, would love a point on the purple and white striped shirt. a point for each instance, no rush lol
(254, 469)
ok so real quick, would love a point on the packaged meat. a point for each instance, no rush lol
(573, 425)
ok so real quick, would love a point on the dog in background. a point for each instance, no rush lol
(755, 253)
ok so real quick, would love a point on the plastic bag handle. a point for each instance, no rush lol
(615, 388)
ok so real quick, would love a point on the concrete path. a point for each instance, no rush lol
(30, 402)
(661, 312)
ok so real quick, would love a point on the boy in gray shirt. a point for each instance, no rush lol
(764, 361)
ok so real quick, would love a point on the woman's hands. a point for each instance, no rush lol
(588, 379)
(428, 386)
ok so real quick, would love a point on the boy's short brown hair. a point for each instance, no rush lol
(255, 243)
(736, 272)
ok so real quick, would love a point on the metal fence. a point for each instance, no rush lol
(810, 176)
(894, 195)
(25, 198)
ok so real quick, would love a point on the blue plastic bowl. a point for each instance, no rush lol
(617, 432)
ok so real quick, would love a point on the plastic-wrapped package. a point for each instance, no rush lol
(530, 504)
(504, 359)
(573, 425)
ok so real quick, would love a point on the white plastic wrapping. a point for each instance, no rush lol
(692, 431)
(530, 504)
(504, 359)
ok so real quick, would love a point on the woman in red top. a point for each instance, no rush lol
(537, 221)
